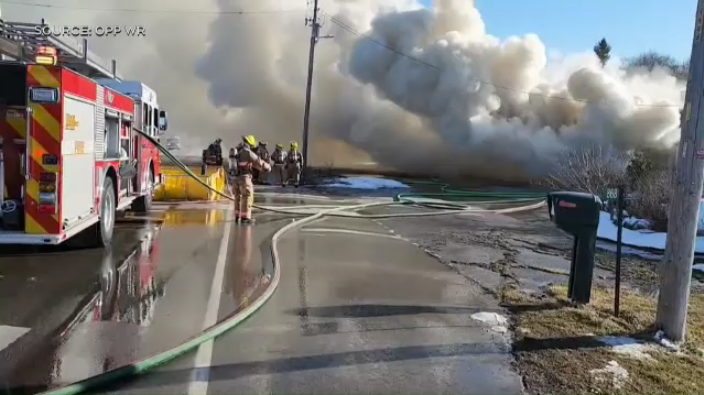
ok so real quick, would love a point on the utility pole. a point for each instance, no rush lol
(314, 32)
(314, 37)
(676, 268)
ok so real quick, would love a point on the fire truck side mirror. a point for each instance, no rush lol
(163, 122)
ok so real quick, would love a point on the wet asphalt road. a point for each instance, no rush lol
(86, 312)
(358, 310)
(41, 291)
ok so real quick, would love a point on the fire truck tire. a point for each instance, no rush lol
(100, 234)
(144, 203)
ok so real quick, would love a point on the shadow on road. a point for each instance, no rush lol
(377, 310)
(296, 364)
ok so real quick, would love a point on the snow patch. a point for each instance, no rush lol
(665, 342)
(625, 250)
(698, 267)
(613, 373)
(655, 240)
(628, 346)
(367, 183)
(490, 318)
(496, 321)
(637, 223)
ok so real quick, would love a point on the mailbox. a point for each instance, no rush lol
(578, 214)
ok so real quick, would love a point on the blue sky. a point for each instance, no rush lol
(631, 26)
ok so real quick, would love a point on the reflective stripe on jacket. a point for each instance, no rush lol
(294, 157)
(279, 157)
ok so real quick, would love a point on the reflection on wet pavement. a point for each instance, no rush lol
(250, 268)
(88, 345)
(41, 292)
(125, 303)
(146, 301)
(242, 278)
(195, 218)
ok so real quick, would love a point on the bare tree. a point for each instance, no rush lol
(592, 169)
(651, 197)
(602, 49)
(652, 59)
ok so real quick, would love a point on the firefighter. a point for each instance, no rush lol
(217, 152)
(279, 159)
(294, 164)
(247, 161)
(264, 155)
(213, 154)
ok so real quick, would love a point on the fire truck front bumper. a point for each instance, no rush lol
(22, 238)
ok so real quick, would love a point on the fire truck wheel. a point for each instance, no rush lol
(144, 203)
(106, 225)
(100, 234)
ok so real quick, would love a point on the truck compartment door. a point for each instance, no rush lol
(78, 159)
(13, 128)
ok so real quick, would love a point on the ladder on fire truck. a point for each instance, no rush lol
(19, 42)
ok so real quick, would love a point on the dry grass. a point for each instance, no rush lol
(557, 346)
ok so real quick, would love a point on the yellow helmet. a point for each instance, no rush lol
(249, 140)
(294, 145)
(280, 146)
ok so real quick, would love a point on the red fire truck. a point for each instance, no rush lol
(71, 155)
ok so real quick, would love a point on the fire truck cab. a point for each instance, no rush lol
(70, 154)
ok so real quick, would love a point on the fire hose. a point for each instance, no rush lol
(444, 208)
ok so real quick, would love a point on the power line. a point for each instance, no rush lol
(350, 29)
(148, 10)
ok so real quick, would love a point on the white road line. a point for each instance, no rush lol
(204, 355)
(8, 335)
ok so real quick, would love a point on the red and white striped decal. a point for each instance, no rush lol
(45, 139)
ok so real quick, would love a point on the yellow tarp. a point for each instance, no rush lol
(177, 185)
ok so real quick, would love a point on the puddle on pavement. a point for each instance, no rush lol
(112, 328)
(246, 277)
(107, 332)
(193, 218)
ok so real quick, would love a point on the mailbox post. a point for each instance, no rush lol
(578, 214)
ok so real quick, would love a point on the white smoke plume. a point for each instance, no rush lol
(460, 103)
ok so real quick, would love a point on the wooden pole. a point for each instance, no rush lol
(676, 268)
(617, 295)
(314, 36)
